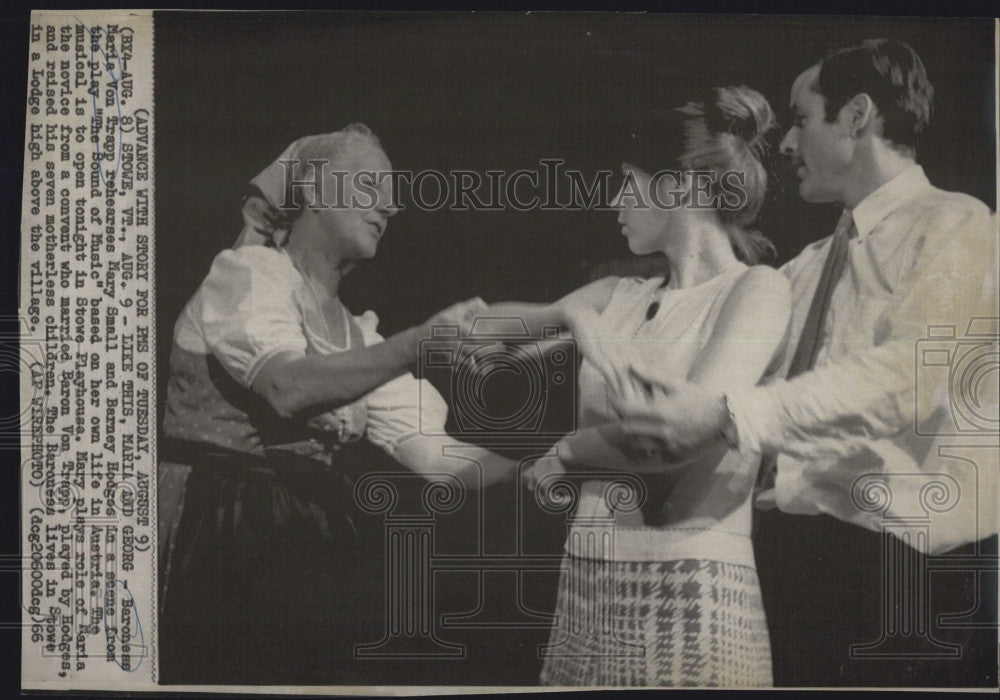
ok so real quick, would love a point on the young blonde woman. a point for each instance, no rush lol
(659, 586)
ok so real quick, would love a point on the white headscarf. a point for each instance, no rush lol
(263, 220)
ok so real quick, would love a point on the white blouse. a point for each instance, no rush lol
(710, 510)
(254, 304)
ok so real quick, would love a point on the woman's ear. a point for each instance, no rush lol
(673, 188)
(698, 189)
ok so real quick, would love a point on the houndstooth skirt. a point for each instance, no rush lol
(686, 622)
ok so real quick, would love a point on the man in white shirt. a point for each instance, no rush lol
(886, 416)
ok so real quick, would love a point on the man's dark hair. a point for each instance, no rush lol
(892, 75)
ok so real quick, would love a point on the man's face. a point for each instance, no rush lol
(821, 151)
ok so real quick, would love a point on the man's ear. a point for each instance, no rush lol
(860, 113)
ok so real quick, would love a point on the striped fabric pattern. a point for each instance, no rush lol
(685, 622)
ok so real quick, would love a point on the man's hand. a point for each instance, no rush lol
(677, 418)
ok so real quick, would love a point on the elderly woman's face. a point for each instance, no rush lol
(359, 188)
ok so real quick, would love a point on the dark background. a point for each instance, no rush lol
(479, 92)
(482, 91)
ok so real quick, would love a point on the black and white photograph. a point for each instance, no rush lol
(510, 350)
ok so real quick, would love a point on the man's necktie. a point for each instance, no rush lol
(811, 337)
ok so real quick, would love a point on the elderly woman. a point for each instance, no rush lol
(272, 384)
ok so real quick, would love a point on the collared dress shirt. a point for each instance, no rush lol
(896, 424)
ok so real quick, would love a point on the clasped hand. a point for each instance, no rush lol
(666, 418)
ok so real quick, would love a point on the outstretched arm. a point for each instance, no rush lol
(291, 382)
(610, 447)
(436, 457)
(406, 419)
(836, 410)
(593, 297)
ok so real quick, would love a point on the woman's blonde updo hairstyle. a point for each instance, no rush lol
(726, 131)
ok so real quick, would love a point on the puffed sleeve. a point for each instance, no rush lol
(403, 408)
(248, 310)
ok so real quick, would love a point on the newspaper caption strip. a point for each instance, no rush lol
(88, 379)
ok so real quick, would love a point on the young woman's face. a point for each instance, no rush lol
(644, 208)
(359, 198)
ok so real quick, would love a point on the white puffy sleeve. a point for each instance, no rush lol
(403, 408)
(248, 312)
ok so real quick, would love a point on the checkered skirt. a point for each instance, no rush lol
(685, 622)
